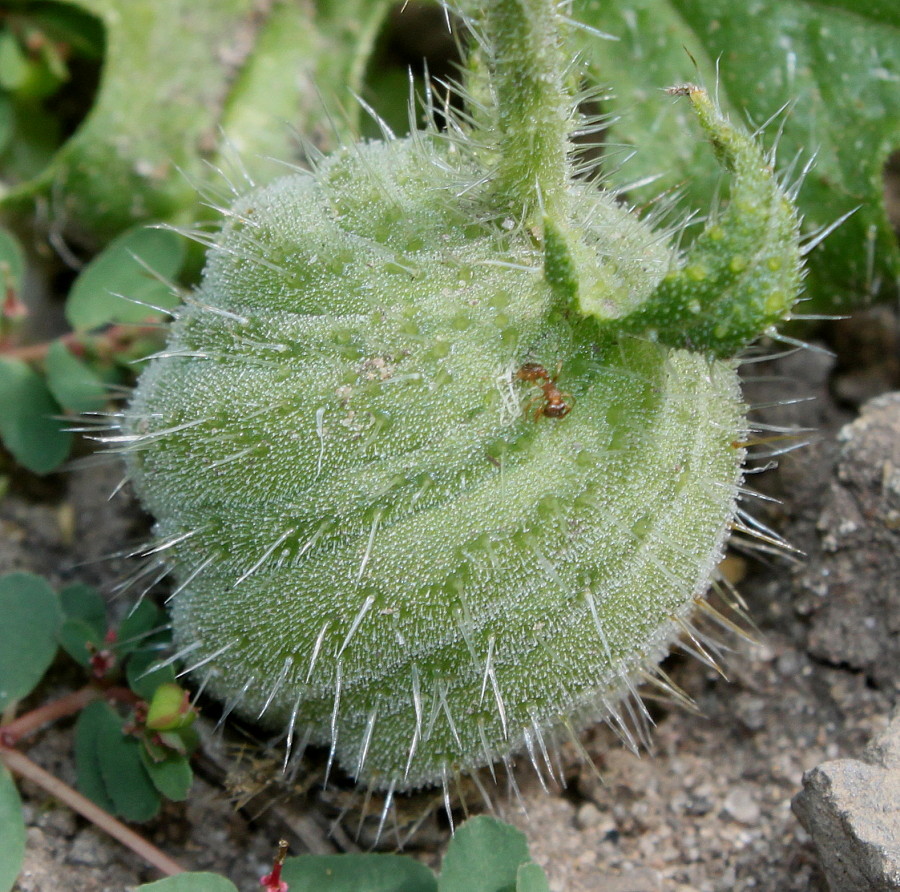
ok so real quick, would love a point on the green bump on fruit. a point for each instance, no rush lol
(442, 452)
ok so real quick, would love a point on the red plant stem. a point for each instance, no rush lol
(110, 342)
(30, 722)
(20, 764)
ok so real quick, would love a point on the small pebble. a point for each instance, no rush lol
(740, 805)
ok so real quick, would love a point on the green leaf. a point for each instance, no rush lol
(28, 427)
(84, 602)
(12, 831)
(108, 288)
(77, 638)
(192, 882)
(12, 258)
(172, 776)
(483, 856)
(837, 64)
(14, 64)
(137, 626)
(74, 384)
(109, 765)
(88, 732)
(136, 157)
(531, 878)
(30, 618)
(143, 681)
(357, 873)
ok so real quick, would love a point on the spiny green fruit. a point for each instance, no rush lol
(444, 449)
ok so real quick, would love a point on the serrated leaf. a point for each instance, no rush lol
(122, 283)
(28, 427)
(531, 878)
(12, 831)
(73, 383)
(30, 618)
(191, 882)
(88, 756)
(358, 873)
(839, 70)
(84, 602)
(483, 856)
(172, 776)
(141, 679)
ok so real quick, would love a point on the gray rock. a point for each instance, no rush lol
(851, 809)
(850, 588)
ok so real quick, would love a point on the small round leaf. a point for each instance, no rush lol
(31, 616)
(123, 282)
(27, 424)
(483, 856)
(12, 832)
(531, 878)
(76, 386)
(355, 873)
(190, 882)
(171, 776)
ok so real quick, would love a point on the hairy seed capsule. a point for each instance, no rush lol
(436, 481)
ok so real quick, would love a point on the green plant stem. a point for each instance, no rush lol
(533, 104)
(21, 765)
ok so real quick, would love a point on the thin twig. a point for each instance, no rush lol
(20, 764)
(112, 342)
(30, 722)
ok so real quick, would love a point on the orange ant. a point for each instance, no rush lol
(555, 405)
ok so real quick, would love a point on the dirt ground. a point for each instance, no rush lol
(707, 810)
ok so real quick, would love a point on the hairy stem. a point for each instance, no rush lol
(20, 764)
(533, 105)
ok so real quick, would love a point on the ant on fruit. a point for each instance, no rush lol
(556, 403)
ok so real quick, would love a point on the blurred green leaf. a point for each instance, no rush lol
(110, 763)
(14, 64)
(85, 621)
(483, 856)
(838, 69)
(172, 776)
(190, 81)
(531, 878)
(7, 122)
(29, 618)
(192, 882)
(73, 383)
(133, 631)
(27, 424)
(84, 602)
(12, 831)
(89, 730)
(12, 259)
(358, 873)
(141, 679)
(77, 638)
(127, 271)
